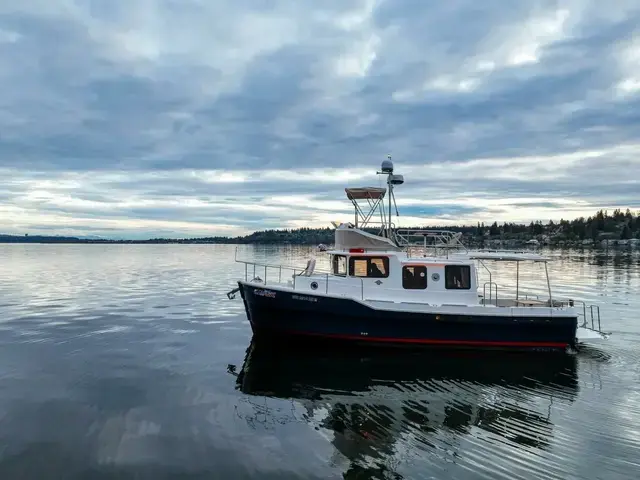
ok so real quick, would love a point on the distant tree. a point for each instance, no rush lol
(619, 224)
(600, 220)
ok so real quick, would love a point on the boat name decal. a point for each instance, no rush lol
(264, 293)
(305, 298)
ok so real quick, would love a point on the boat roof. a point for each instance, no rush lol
(363, 193)
(347, 237)
(505, 255)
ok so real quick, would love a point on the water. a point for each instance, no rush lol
(127, 362)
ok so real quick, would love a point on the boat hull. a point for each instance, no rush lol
(284, 313)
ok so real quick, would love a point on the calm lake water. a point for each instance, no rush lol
(130, 362)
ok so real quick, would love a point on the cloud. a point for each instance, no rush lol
(188, 118)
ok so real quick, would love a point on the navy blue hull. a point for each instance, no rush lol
(284, 313)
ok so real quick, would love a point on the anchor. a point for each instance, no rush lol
(232, 294)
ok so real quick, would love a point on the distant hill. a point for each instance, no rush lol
(614, 226)
(38, 239)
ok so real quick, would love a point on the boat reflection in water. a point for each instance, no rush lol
(387, 411)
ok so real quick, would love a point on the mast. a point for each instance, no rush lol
(390, 187)
(387, 169)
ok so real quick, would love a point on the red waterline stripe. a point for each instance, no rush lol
(435, 342)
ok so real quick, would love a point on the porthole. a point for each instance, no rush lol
(314, 285)
(435, 277)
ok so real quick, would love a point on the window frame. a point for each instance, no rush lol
(368, 258)
(465, 271)
(334, 265)
(415, 267)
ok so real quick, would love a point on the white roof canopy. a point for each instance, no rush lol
(363, 193)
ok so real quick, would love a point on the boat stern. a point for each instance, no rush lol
(590, 325)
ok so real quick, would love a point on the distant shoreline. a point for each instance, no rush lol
(45, 239)
(487, 243)
(617, 228)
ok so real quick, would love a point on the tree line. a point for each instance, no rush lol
(617, 225)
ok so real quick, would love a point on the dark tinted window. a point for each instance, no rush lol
(372, 267)
(457, 277)
(414, 277)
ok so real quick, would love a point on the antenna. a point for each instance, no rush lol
(387, 169)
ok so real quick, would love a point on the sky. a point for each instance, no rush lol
(182, 118)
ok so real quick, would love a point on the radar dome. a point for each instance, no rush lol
(387, 166)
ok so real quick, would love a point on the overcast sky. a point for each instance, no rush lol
(137, 118)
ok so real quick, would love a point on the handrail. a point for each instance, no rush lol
(327, 275)
(286, 267)
(444, 239)
(594, 315)
(594, 312)
(484, 292)
(598, 310)
(486, 268)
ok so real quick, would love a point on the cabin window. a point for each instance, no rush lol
(339, 265)
(457, 277)
(359, 267)
(414, 277)
(372, 267)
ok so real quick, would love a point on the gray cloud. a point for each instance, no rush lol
(107, 105)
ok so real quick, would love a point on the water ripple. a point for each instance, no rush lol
(130, 362)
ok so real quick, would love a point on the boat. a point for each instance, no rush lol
(377, 291)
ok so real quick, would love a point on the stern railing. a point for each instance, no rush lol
(591, 316)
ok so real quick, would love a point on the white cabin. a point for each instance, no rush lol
(369, 267)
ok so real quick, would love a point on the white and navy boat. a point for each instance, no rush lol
(376, 290)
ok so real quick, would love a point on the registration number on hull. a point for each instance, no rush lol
(304, 298)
